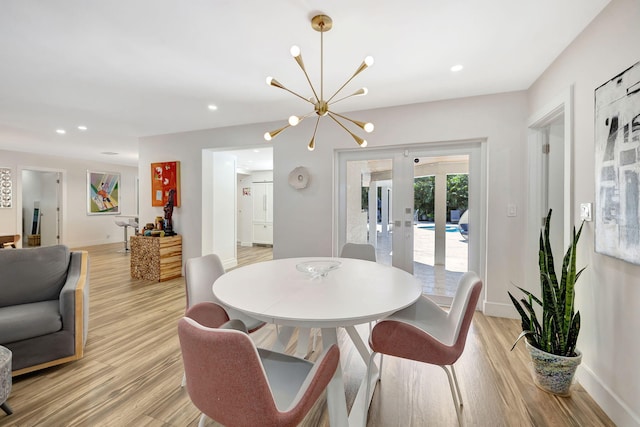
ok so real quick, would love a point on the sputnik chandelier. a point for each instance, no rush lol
(322, 107)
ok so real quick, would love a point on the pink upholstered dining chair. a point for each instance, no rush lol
(236, 384)
(208, 314)
(199, 276)
(424, 332)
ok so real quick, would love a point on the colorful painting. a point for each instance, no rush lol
(164, 177)
(103, 193)
(617, 143)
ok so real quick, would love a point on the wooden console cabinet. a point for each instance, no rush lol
(156, 258)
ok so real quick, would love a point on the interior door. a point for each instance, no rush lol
(367, 203)
(41, 202)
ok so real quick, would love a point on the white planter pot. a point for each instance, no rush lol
(552, 373)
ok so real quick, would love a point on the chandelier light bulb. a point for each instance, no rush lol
(267, 136)
(295, 51)
(364, 91)
(368, 127)
(269, 80)
(369, 61)
(294, 120)
(364, 143)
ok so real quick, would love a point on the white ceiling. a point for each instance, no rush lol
(132, 68)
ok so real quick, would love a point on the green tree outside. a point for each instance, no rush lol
(424, 191)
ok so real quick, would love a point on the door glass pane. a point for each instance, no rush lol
(440, 200)
(368, 205)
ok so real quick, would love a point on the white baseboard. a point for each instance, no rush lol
(246, 243)
(497, 309)
(85, 243)
(621, 414)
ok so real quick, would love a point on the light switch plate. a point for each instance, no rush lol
(512, 209)
(585, 211)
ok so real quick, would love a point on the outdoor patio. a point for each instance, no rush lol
(440, 280)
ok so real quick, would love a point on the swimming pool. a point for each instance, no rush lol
(449, 228)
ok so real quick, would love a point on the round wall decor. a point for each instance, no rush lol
(299, 178)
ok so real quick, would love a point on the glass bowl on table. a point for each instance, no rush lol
(318, 268)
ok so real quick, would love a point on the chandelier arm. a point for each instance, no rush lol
(293, 93)
(312, 142)
(300, 118)
(275, 133)
(361, 68)
(304, 70)
(361, 142)
(355, 122)
(359, 92)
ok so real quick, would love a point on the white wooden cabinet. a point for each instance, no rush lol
(262, 198)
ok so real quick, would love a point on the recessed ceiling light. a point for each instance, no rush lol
(256, 151)
(109, 153)
(82, 127)
(456, 68)
(212, 107)
(61, 131)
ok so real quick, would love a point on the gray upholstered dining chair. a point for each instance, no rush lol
(235, 383)
(200, 276)
(363, 251)
(426, 333)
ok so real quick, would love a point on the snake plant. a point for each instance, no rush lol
(557, 331)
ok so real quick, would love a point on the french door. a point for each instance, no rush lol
(376, 204)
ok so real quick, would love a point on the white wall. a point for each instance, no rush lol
(78, 228)
(608, 292)
(224, 208)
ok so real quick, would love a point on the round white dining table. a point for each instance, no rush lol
(357, 292)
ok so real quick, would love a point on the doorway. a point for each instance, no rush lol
(376, 204)
(41, 201)
(550, 165)
(227, 178)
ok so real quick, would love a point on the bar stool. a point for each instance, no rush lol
(125, 225)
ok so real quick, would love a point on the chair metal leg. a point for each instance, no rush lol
(184, 380)
(203, 419)
(368, 396)
(6, 408)
(455, 380)
(454, 394)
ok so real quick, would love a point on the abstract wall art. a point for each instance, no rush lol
(617, 155)
(164, 177)
(103, 193)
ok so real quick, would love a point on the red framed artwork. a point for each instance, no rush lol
(164, 177)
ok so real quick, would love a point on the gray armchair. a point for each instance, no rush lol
(44, 306)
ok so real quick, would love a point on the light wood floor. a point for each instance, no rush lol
(132, 369)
